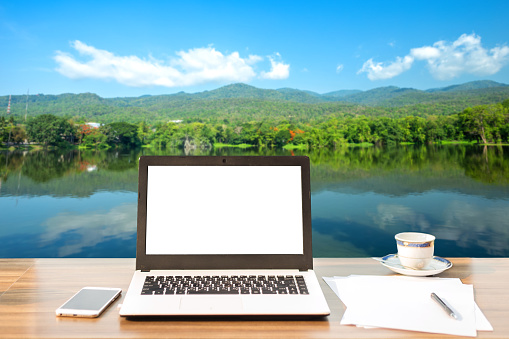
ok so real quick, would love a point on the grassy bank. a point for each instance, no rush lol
(221, 145)
(300, 147)
(454, 142)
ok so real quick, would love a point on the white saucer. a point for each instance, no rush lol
(437, 265)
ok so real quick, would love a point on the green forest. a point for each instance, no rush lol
(241, 115)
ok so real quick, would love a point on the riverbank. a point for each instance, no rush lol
(300, 147)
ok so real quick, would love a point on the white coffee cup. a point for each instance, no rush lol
(415, 250)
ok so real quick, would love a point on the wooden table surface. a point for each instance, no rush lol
(31, 290)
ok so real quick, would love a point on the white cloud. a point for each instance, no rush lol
(465, 55)
(339, 68)
(379, 71)
(278, 70)
(425, 52)
(445, 60)
(193, 67)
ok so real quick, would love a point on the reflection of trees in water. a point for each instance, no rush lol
(489, 166)
(121, 161)
(81, 173)
(485, 164)
(44, 166)
(10, 162)
(68, 173)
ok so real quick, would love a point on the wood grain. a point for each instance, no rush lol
(38, 286)
(11, 270)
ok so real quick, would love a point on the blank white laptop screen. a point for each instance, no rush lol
(224, 210)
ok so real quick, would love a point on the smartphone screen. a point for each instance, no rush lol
(91, 301)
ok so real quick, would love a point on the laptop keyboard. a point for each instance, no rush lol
(243, 284)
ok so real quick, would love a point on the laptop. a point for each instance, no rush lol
(224, 235)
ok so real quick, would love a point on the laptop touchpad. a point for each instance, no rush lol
(229, 304)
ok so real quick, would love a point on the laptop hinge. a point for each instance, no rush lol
(145, 270)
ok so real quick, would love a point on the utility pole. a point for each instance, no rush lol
(9, 105)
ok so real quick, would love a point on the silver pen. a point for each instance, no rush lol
(444, 306)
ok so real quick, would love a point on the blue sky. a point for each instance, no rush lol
(133, 48)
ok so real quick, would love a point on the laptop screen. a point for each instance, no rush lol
(202, 212)
(224, 210)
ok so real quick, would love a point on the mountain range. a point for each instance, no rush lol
(245, 99)
(381, 96)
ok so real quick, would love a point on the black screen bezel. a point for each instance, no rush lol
(230, 261)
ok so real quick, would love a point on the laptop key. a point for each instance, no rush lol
(221, 291)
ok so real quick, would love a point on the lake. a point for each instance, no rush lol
(83, 203)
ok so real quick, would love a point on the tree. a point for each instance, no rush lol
(84, 130)
(282, 138)
(18, 134)
(416, 128)
(121, 134)
(482, 123)
(143, 131)
(49, 129)
(95, 139)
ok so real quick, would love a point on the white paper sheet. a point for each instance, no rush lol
(404, 303)
(411, 308)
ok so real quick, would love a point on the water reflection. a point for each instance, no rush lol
(83, 204)
(89, 229)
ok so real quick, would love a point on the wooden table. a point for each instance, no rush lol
(31, 290)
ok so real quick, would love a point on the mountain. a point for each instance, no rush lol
(468, 86)
(250, 92)
(241, 101)
(458, 97)
(377, 95)
(476, 92)
(298, 95)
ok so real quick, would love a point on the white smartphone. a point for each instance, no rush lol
(89, 302)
